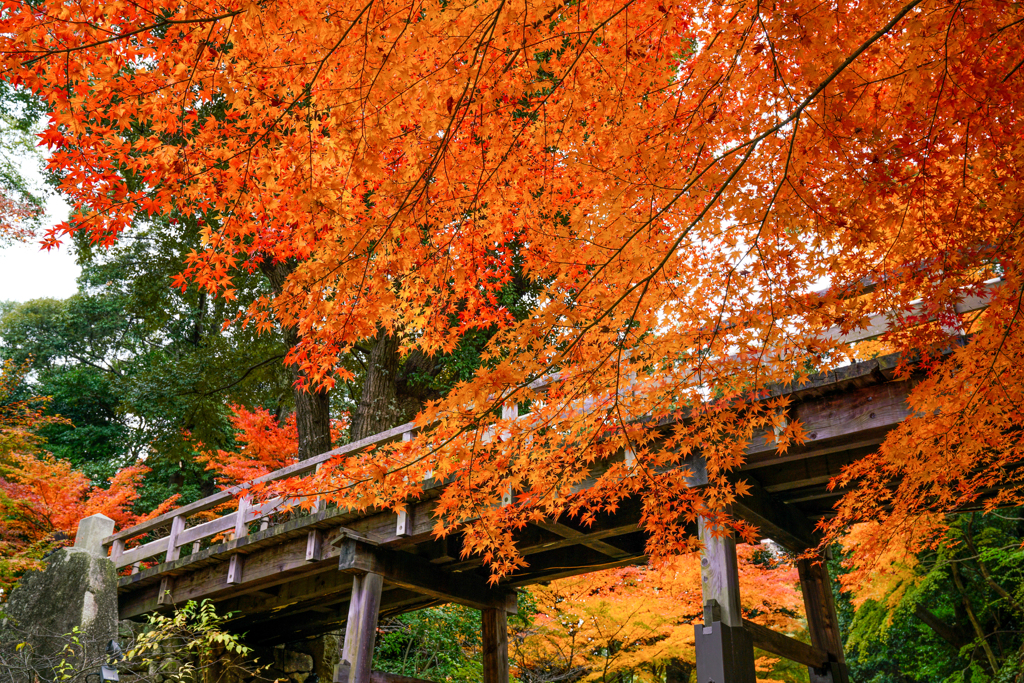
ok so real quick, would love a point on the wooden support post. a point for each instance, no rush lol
(402, 524)
(360, 630)
(822, 622)
(495, 645)
(117, 549)
(719, 578)
(725, 651)
(235, 564)
(314, 545)
(165, 597)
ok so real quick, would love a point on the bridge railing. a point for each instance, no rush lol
(180, 535)
(168, 548)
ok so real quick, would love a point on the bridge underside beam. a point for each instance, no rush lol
(408, 571)
(776, 519)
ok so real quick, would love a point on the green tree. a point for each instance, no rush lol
(143, 369)
(951, 615)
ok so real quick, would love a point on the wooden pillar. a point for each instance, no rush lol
(495, 645)
(725, 651)
(360, 629)
(719, 578)
(821, 621)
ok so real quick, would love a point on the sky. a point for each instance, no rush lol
(26, 271)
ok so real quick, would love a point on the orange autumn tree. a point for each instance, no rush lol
(677, 179)
(42, 498)
(639, 621)
(264, 444)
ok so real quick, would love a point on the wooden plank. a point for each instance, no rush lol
(235, 569)
(873, 410)
(625, 520)
(784, 646)
(878, 325)
(142, 552)
(494, 643)
(208, 529)
(570, 561)
(867, 441)
(165, 596)
(801, 483)
(719, 577)
(325, 588)
(273, 566)
(414, 573)
(314, 545)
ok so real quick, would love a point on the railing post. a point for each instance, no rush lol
(241, 528)
(402, 523)
(177, 526)
(116, 550)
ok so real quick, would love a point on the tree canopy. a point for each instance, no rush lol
(706, 196)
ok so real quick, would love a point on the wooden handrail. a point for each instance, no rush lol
(227, 495)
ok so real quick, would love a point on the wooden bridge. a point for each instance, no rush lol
(289, 577)
(316, 572)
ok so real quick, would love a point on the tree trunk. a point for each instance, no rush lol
(973, 618)
(941, 628)
(312, 407)
(378, 402)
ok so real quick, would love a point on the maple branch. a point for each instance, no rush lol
(1013, 70)
(238, 381)
(163, 23)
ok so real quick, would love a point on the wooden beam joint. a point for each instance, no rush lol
(417, 574)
